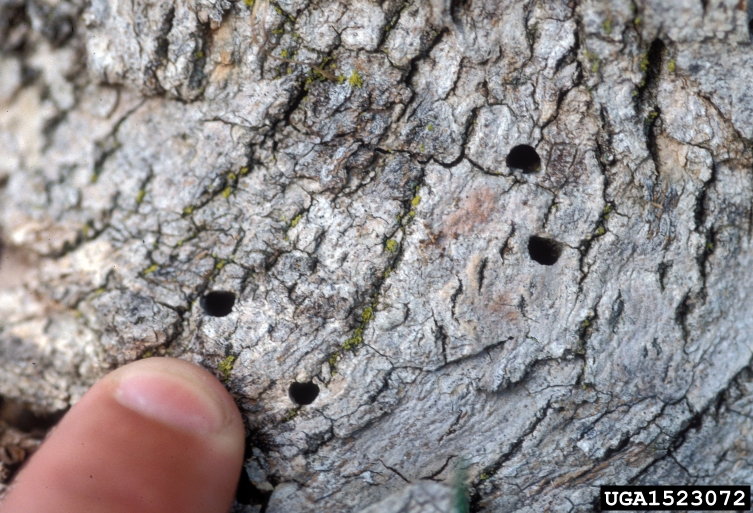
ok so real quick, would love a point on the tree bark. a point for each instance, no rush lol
(362, 178)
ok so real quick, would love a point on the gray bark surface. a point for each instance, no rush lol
(341, 168)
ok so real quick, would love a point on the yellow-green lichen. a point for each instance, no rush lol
(249, 3)
(199, 54)
(672, 66)
(391, 245)
(354, 341)
(487, 474)
(296, 220)
(601, 231)
(232, 176)
(645, 62)
(333, 360)
(149, 270)
(227, 192)
(188, 211)
(355, 81)
(244, 170)
(586, 323)
(140, 196)
(430, 127)
(290, 415)
(710, 246)
(416, 201)
(226, 366)
(367, 314)
(285, 54)
(220, 264)
(148, 354)
(637, 21)
(607, 26)
(422, 148)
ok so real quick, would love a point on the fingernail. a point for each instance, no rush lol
(173, 400)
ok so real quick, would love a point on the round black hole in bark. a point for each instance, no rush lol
(303, 393)
(525, 158)
(218, 303)
(544, 251)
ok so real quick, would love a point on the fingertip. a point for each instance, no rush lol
(180, 394)
(159, 434)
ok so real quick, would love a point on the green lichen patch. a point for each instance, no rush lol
(333, 361)
(645, 62)
(354, 341)
(391, 245)
(227, 192)
(149, 270)
(594, 60)
(487, 474)
(296, 220)
(226, 366)
(355, 80)
(140, 196)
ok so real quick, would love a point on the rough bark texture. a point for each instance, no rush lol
(379, 245)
